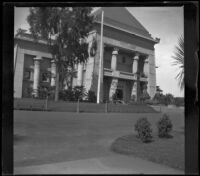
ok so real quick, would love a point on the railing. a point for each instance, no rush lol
(119, 74)
(122, 75)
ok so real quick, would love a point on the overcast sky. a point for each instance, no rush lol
(165, 23)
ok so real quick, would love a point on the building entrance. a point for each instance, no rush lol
(119, 94)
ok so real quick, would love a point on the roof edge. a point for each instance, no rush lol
(156, 40)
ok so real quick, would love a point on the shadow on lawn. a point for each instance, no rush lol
(160, 150)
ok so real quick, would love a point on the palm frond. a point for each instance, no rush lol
(179, 61)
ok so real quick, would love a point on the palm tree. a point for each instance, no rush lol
(179, 61)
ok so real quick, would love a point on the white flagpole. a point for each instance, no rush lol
(100, 60)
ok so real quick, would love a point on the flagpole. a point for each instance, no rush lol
(100, 61)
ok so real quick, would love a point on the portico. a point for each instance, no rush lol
(124, 75)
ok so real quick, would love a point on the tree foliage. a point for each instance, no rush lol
(179, 61)
(164, 99)
(65, 29)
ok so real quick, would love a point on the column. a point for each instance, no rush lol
(144, 88)
(36, 76)
(114, 59)
(134, 91)
(53, 73)
(135, 63)
(146, 67)
(80, 74)
(113, 88)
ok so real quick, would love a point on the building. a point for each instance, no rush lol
(128, 65)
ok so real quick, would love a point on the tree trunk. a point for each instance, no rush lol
(57, 85)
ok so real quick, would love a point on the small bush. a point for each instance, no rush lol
(91, 97)
(66, 95)
(42, 92)
(143, 127)
(144, 96)
(164, 126)
(79, 93)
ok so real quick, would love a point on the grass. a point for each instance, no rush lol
(167, 151)
(49, 137)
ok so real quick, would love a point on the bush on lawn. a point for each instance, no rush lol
(144, 96)
(91, 97)
(164, 126)
(79, 93)
(67, 95)
(143, 127)
(42, 92)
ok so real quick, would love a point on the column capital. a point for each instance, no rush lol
(136, 57)
(37, 58)
(115, 51)
(53, 61)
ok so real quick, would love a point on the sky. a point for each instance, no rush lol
(166, 23)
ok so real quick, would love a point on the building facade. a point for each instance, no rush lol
(128, 64)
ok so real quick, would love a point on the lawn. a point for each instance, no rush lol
(49, 137)
(168, 151)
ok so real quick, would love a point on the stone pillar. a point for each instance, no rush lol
(80, 74)
(135, 63)
(146, 67)
(113, 88)
(53, 73)
(36, 76)
(134, 91)
(114, 59)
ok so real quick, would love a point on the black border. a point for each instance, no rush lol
(191, 36)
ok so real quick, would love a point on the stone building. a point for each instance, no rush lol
(128, 59)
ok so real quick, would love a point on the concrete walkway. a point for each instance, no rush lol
(117, 164)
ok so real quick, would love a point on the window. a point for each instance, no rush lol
(123, 60)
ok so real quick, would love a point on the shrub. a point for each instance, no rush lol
(28, 92)
(51, 92)
(67, 95)
(42, 92)
(164, 126)
(79, 93)
(144, 96)
(143, 127)
(114, 96)
(179, 101)
(91, 97)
